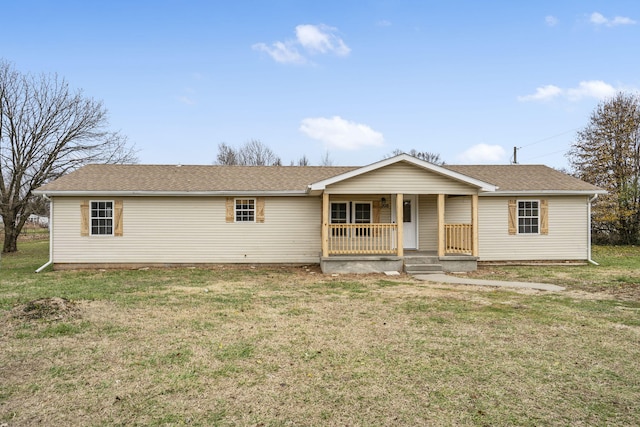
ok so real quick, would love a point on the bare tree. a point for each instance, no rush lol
(255, 153)
(427, 156)
(252, 153)
(303, 161)
(607, 153)
(326, 159)
(226, 155)
(46, 130)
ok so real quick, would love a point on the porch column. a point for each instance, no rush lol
(325, 225)
(400, 223)
(441, 235)
(474, 225)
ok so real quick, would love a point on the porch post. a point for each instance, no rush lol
(441, 236)
(474, 225)
(400, 223)
(325, 225)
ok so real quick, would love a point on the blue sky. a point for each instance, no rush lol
(466, 79)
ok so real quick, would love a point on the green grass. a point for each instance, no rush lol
(281, 346)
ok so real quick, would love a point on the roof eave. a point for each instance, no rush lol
(84, 193)
(544, 192)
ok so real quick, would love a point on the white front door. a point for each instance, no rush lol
(410, 219)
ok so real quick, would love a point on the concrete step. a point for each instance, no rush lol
(422, 268)
(421, 259)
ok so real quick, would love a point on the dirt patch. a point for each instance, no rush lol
(48, 309)
(622, 291)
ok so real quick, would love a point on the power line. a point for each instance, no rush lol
(548, 138)
(548, 154)
(514, 157)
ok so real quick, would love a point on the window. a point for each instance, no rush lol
(362, 215)
(245, 210)
(101, 218)
(351, 213)
(406, 211)
(339, 213)
(528, 216)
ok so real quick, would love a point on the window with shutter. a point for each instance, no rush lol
(101, 218)
(528, 217)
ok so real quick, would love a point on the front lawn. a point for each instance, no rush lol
(617, 275)
(289, 346)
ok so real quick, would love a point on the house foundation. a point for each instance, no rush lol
(411, 264)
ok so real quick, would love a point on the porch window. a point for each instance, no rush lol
(362, 215)
(351, 213)
(528, 216)
(339, 215)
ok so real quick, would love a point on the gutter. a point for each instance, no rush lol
(505, 193)
(48, 263)
(124, 193)
(595, 196)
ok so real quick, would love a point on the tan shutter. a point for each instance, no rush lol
(117, 218)
(229, 209)
(260, 209)
(513, 219)
(84, 218)
(544, 217)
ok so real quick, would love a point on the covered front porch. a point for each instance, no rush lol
(397, 232)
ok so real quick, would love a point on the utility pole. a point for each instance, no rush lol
(515, 156)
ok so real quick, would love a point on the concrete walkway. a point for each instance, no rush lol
(444, 278)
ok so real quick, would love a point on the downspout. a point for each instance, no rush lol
(50, 236)
(595, 196)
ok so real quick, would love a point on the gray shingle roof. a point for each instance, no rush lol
(188, 178)
(185, 178)
(524, 177)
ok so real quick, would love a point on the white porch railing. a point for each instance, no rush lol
(362, 239)
(458, 238)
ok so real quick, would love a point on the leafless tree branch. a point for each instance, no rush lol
(46, 130)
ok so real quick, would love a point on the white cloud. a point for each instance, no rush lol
(383, 23)
(483, 153)
(551, 20)
(321, 39)
(586, 89)
(543, 93)
(597, 18)
(338, 133)
(312, 39)
(281, 52)
(591, 89)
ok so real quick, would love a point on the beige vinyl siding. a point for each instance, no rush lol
(400, 178)
(567, 238)
(192, 230)
(457, 210)
(427, 223)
